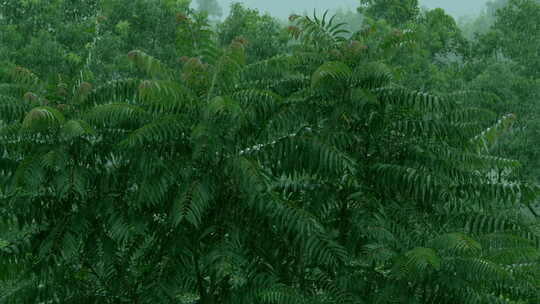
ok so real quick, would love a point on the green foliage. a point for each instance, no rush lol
(395, 12)
(211, 7)
(516, 34)
(506, 67)
(193, 35)
(479, 25)
(352, 19)
(314, 176)
(86, 39)
(262, 34)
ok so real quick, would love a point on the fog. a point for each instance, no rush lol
(282, 8)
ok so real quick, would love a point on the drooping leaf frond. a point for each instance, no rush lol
(42, 118)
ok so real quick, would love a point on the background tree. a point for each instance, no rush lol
(395, 12)
(506, 48)
(87, 40)
(440, 51)
(472, 25)
(352, 18)
(263, 35)
(211, 7)
(517, 35)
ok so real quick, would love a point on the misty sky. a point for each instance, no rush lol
(282, 8)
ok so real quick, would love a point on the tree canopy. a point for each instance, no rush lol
(151, 155)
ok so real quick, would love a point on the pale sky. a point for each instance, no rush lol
(282, 8)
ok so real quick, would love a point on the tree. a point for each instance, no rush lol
(211, 7)
(262, 35)
(58, 29)
(516, 34)
(479, 25)
(504, 64)
(440, 51)
(72, 39)
(352, 18)
(310, 177)
(395, 12)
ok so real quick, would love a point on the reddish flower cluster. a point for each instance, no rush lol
(85, 87)
(240, 40)
(182, 18)
(29, 96)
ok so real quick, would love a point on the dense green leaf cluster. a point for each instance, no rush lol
(263, 35)
(322, 172)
